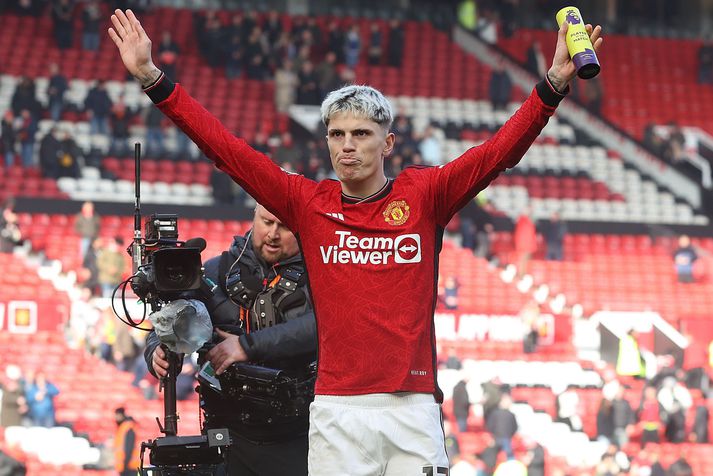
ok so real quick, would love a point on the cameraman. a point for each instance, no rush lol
(261, 281)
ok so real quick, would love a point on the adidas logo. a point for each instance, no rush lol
(338, 216)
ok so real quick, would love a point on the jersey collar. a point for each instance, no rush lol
(378, 195)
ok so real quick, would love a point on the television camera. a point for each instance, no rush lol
(166, 271)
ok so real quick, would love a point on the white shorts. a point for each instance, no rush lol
(379, 434)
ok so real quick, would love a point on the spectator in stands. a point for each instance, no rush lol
(675, 400)
(49, 154)
(680, 467)
(257, 68)
(40, 394)
(308, 86)
(8, 137)
(62, 17)
(119, 120)
(501, 423)
(629, 361)
(430, 146)
(450, 293)
(649, 416)
(211, 38)
(327, 74)
(86, 225)
(531, 324)
(500, 86)
(653, 141)
(646, 462)
(623, 418)
(705, 62)
(534, 458)
(111, 265)
(493, 391)
(286, 83)
(593, 95)
(684, 258)
(125, 349)
(535, 61)
(567, 406)
(452, 359)
(358, 121)
(288, 152)
(487, 29)
(335, 39)
(695, 362)
(25, 97)
(525, 238)
(461, 402)
(153, 119)
(395, 45)
(13, 403)
(10, 233)
(126, 446)
(272, 443)
(68, 156)
(98, 106)
(699, 430)
(235, 63)
(56, 88)
(84, 315)
(375, 50)
(168, 52)
(554, 231)
(674, 146)
(467, 12)
(452, 446)
(272, 27)
(91, 19)
(604, 420)
(607, 466)
(26, 131)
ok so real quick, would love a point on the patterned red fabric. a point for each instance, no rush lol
(372, 265)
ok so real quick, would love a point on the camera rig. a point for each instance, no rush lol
(164, 268)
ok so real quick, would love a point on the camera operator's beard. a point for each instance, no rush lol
(272, 252)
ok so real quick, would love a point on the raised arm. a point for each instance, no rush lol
(563, 69)
(134, 47)
(257, 174)
(461, 179)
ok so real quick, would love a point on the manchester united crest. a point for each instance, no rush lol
(397, 213)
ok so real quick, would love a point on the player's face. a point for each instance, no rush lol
(271, 239)
(357, 147)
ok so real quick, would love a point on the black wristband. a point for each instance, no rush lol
(549, 94)
(160, 90)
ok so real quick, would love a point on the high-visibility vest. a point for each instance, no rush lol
(628, 361)
(119, 454)
(467, 15)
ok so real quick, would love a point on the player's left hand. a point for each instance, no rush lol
(227, 352)
(563, 69)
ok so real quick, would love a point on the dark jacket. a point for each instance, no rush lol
(291, 345)
(461, 402)
(501, 423)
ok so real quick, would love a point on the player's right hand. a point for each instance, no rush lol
(159, 362)
(133, 43)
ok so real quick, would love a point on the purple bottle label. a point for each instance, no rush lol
(586, 58)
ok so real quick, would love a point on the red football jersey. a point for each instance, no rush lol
(372, 263)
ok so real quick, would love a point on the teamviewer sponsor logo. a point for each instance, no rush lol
(376, 250)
